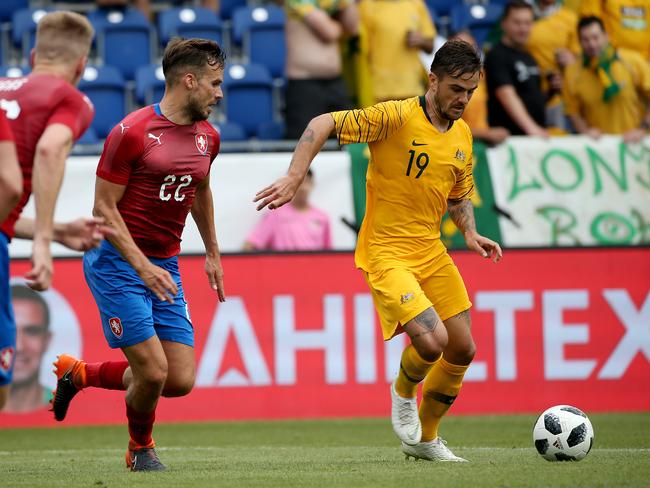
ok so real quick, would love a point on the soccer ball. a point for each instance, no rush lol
(563, 433)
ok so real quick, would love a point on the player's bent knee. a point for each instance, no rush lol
(430, 351)
(178, 388)
(152, 379)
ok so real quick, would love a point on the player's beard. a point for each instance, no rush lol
(196, 111)
(445, 113)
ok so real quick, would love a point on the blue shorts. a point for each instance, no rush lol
(130, 312)
(7, 323)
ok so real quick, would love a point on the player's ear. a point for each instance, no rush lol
(190, 81)
(433, 80)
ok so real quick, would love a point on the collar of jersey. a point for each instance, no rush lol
(423, 104)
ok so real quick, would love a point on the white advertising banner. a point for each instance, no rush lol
(572, 191)
(235, 178)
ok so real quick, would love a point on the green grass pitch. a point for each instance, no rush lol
(324, 453)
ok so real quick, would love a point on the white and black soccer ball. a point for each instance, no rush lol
(563, 433)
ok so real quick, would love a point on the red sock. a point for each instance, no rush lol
(140, 428)
(107, 375)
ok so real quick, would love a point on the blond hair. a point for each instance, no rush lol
(63, 37)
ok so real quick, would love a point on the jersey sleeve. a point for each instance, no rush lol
(464, 187)
(75, 111)
(5, 130)
(121, 150)
(216, 137)
(571, 101)
(374, 123)
(641, 74)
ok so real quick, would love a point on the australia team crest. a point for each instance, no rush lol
(201, 142)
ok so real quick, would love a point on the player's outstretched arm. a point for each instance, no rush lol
(462, 214)
(52, 151)
(203, 215)
(309, 144)
(158, 280)
(80, 234)
(11, 179)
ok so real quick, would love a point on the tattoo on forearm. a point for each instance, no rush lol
(428, 321)
(307, 136)
(462, 214)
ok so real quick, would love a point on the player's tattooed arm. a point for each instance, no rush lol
(462, 214)
(311, 141)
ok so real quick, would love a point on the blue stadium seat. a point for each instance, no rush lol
(260, 30)
(123, 38)
(23, 32)
(271, 131)
(149, 84)
(14, 70)
(89, 137)
(8, 7)
(228, 7)
(189, 22)
(230, 131)
(479, 19)
(105, 87)
(248, 96)
(442, 8)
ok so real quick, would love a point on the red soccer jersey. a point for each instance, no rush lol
(32, 103)
(5, 130)
(160, 163)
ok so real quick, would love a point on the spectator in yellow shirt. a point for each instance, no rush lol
(397, 31)
(608, 92)
(626, 21)
(553, 42)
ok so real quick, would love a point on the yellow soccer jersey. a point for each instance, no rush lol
(551, 33)
(583, 94)
(414, 169)
(626, 21)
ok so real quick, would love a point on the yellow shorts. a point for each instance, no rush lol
(402, 293)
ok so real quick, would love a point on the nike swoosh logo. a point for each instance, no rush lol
(418, 143)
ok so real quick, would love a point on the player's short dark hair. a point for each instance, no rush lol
(456, 58)
(590, 20)
(515, 5)
(190, 55)
(23, 292)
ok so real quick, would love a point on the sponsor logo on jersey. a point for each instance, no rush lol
(11, 108)
(155, 138)
(116, 326)
(6, 358)
(201, 142)
(123, 127)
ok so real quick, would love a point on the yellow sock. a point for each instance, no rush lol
(412, 370)
(441, 386)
